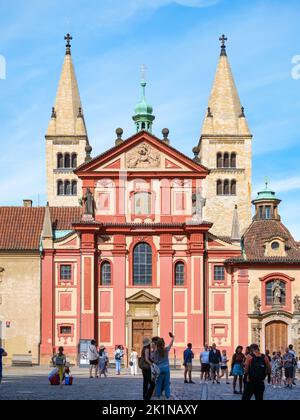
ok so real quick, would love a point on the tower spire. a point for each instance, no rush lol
(225, 115)
(143, 116)
(235, 232)
(67, 111)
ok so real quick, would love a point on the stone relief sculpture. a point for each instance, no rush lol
(297, 304)
(257, 304)
(144, 156)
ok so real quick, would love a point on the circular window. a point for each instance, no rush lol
(275, 245)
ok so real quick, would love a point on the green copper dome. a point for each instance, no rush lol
(267, 194)
(143, 117)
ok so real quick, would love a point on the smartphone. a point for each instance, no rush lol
(171, 335)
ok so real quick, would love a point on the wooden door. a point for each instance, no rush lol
(276, 336)
(141, 330)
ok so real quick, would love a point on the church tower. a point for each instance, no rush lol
(226, 150)
(67, 144)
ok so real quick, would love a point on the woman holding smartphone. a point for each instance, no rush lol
(161, 359)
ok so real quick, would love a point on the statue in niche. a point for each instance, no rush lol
(89, 204)
(199, 203)
(278, 291)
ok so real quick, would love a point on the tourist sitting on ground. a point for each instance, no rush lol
(237, 369)
(68, 377)
(59, 361)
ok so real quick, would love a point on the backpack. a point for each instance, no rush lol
(118, 356)
(258, 369)
(59, 360)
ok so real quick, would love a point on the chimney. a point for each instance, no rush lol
(27, 203)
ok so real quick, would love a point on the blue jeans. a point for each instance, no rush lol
(163, 382)
(118, 366)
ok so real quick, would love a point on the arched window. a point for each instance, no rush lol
(226, 187)
(74, 187)
(233, 187)
(179, 274)
(105, 274)
(219, 160)
(226, 160)
(142, 265)
(68, 188)
(67, 161)
(233, 160)
(143, 126)
(74, 160)
(142, 203)
(60, 161)
(219, 187)
(275, 292)
(60, 188)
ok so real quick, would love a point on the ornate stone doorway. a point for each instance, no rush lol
(276, 335)
(142, 319)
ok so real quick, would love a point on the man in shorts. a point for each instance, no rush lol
(289, 366)
(205, 366)
(188, 357)
(215, 360)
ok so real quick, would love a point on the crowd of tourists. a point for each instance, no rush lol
(249, 368)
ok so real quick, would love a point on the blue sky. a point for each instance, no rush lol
(178, 41)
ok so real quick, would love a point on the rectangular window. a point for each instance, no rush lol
(268, 212)
(261, 212)
(66, 272)
(65, 330)
(219, 273)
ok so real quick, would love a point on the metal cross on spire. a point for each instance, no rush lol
(144, 69)
(68, 38)
(223, 40)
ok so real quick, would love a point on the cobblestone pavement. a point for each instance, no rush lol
(32, 384)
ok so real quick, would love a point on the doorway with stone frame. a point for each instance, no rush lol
(142, 319)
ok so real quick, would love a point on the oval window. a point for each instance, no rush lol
(275, 246)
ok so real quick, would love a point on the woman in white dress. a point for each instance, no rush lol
(134, 362)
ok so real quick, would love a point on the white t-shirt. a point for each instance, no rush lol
(92, 353)
(204, 357)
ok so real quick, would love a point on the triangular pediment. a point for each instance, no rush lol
(221, 243)
(143, 297)
(142, 152)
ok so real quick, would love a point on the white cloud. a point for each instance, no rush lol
(287, 184)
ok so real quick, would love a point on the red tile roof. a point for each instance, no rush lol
(21, 227)
(262, 231)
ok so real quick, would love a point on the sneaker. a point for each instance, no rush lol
(186, 382)
(191, 382)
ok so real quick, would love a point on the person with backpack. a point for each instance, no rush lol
(59, 361)
(257, 368)
(289, 361)
(119, 354)
(145, 364)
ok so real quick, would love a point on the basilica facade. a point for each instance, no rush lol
(142, 240)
